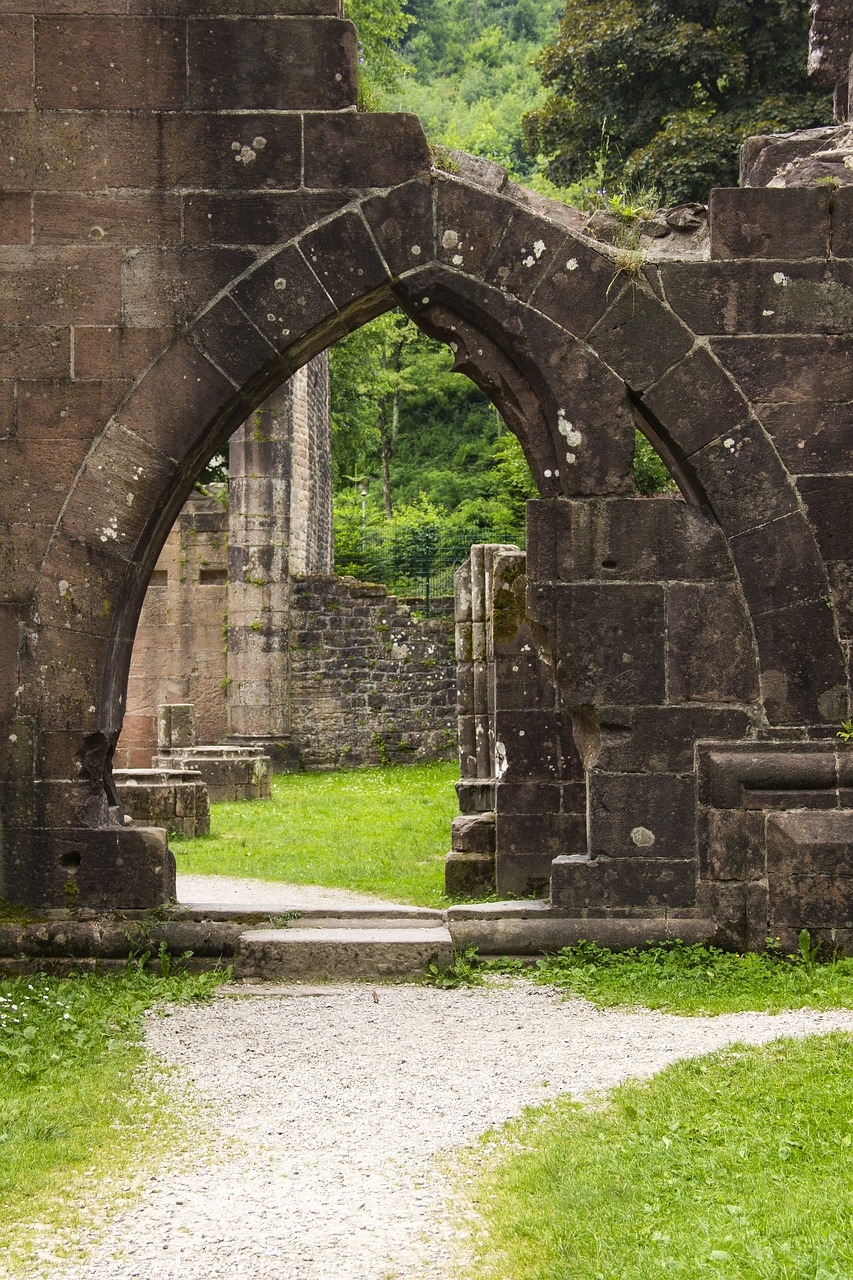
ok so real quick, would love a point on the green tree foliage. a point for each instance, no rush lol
(381, 25)
(667, 90)
(474, 76)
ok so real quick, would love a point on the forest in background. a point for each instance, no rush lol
(600, 104)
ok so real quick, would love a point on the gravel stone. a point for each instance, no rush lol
(331, 1108)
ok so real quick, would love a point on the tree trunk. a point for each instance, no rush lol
(385, 447)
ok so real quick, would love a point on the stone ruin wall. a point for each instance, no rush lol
(244, 619)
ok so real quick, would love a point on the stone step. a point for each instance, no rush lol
(360, 949)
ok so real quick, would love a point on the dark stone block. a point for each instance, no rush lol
(841, 587)
(769, 222)
(283, 298)
(469, 875)
(105, 352)
(660, 739)
(528, 247)
(696, 402)
(86, 63)
(16, 41)
(15, 217)
(803, 675)
(779, 564)
(767, 297)
(523, 681)
(195, 391)
(842, 223)
(641, 815)
(473, 833)
(80, 285)
(608, 644)
(777, 370)
(285, 64)
(402, 223)
(640, 338)
(659, 540)
(741, 912)
(255, 219)
(476, 795)
(533, 796)
(705, 623)
(232, 341)
(735, 844)
(829, 505)
(811, 437)
(574, 290)
(731, 776)
(55, 410)
(529, 745)
(469, 224)
(150, 218)
(344, 259)
(165, 287)
(123, 868)
(360, 150)
(581, 884)
(27, 352)
(745, 483)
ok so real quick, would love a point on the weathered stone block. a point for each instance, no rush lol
(660, 739)
(278, 64)
(342, 255)
(744, 479)
(469, 225)
(811, 437)
(767, 222)
(225, 334)
(810, 868)
(702, 624)
(803, 675)
(641, 815)
(734, 844)
(15, 217)
(789, 369)
(256, 218)
(105, 352)
(402, 224)
(70, 218)
(582, 884)
(284, 298)
(113, 868)
(640, 338)
(473, 834)
(360, 150)
(55, 410)
(608, 643)
(43, 285)
(767, 297)
(86, 63)
(165, 287)
(16, 41)
(469, 875)
(842, 223)
(574, 289)
(174, 799)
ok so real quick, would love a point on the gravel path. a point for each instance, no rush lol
(272, 895)
(329, 1106)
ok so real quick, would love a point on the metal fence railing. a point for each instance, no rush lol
(417, 563)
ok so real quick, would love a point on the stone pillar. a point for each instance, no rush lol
(279, 523)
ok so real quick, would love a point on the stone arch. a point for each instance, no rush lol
(572, 346)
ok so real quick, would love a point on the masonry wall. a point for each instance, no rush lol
(364, 681)
(179, 654)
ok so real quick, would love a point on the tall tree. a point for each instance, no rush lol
(662, 92)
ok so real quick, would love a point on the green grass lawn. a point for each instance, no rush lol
(80, 1107)
(734, 1166)
(383, 831)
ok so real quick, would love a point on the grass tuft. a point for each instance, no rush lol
(734, 1166)
(384, 831)
(81, 1106)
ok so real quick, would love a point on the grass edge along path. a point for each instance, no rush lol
(737, 1165)
(83, 1106)
(383, 830)
(677, 977)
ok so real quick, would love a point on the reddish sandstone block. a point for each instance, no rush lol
(60, 410)
(51, 151)
(196, 393)
(163, 287)
(102, 353)
(119, 219)
(770, 222)
(16, 63)
(704, 622)
(279, 64)
(255, 219)
(41, 286)
(233, 342)
(7, 408)
(85, 63)
(361, 150)
(342, 255)
(28, 351)
(15, 217)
